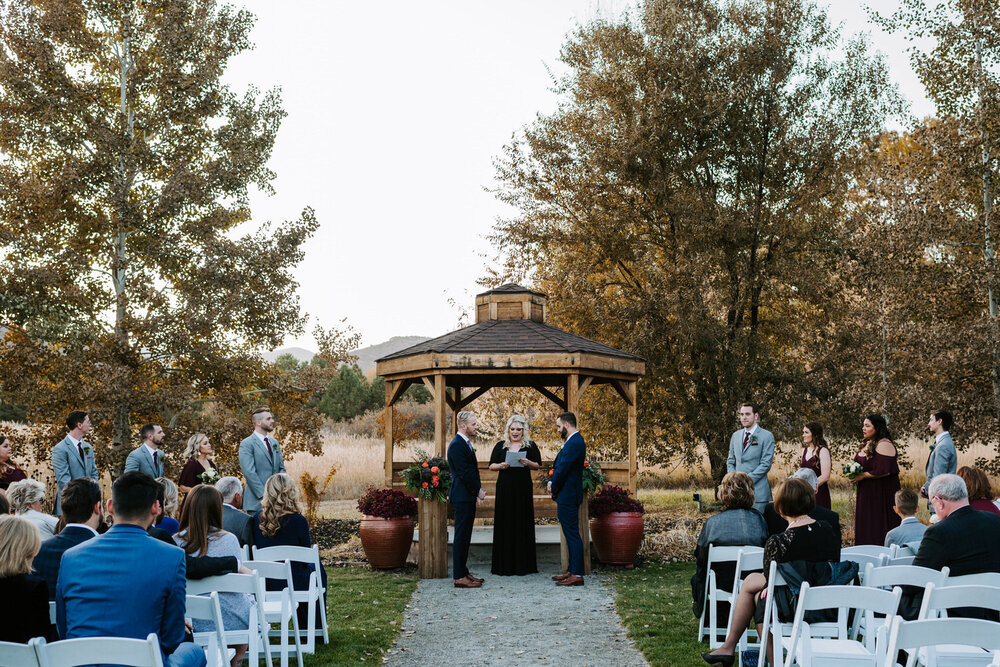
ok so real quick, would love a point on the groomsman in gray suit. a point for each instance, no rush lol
(943, 459)
(73, 457)
(751, 450)
(260, 457)
(147, 457)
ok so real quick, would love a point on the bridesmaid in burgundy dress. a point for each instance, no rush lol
(197, 452)
(9, 472)
(816, 457)
(877, 484)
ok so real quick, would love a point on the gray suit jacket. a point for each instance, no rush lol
(67, 466)
(140, 459)
(238, 523)
(942, 459)
(911, 530)
(755, 461)
(257, 466)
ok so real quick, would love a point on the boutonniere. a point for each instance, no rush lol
(753, 441)
(932, 447)
(87, 450)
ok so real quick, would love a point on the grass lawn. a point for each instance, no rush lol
(364, 611)
(654, 602)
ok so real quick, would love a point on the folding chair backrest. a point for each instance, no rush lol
(981, 579)
(863, 560)
(888, 576)
(941, 598)
(902, 550)
(19, 655)
(101, 650)
(208, 608)
(900, 560)
(865, 550)
(296, 554)
(911, 635)
(225, 583)
(272, 570)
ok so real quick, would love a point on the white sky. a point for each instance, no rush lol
(395, 112)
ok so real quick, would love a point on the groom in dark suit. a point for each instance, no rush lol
(466, 492)
(566, 487)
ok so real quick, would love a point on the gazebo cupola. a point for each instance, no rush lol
(510, 302)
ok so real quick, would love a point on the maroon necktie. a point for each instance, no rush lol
(746, 439)
(80, 448)
(268, 443)
(155, 463)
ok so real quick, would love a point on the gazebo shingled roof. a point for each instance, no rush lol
(509, 346)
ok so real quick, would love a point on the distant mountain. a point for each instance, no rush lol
(366, 355)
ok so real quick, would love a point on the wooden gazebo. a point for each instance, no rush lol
(509, 346)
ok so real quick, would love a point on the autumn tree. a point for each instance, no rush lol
(133, 283)
(684, 203)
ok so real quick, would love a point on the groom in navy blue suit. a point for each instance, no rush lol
(125, 583)
(566, 487)
(466, 492)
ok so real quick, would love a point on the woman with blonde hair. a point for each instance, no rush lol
(738, 525)
(26, 498)
(280, 523)
(514, 510)
(28, 595)
(201, 534)
(166, 520)
(199, 468)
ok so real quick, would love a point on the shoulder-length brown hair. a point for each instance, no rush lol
(281, 497)
(201, 518)
(976, 482)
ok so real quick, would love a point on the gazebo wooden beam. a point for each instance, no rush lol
(584, 383)
(394, 390)
(473, 396)
(551, 395)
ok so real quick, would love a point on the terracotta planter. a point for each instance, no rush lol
(617, 537)
(386, 541)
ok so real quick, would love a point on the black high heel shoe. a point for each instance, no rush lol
(724, 660)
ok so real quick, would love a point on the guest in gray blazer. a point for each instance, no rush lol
(260, 457)
(73, 457)
(943, 459)
(751, 450)
(234, 519)
(147, 457)
(910, 530)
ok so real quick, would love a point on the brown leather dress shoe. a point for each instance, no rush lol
(470, 576)
(465, 582)
(560, 577)
(571, 580)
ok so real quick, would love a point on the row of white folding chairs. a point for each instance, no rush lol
(313, 596)
(256, 633)
(79, 652)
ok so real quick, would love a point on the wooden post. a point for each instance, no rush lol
(432, 548)
(633, 461)
(458, 408)
(572, 400)
(388, 417)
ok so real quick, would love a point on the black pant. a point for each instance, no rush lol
(465, 515)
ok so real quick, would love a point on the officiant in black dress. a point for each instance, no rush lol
(514, 512)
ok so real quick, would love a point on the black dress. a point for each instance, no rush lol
(514, 515)
(31, 618)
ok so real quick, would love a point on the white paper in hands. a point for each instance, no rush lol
(514, 459)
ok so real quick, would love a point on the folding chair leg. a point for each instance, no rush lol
(326, 633)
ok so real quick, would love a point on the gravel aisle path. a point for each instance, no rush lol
(513, 620)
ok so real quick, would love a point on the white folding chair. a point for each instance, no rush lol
(749, 559)
(865, 550)
(244, 552)
(313, 595)
(936, 603)
(100, 650)
(930, 634)
(207, 608)
(900, 560)
(708, 624)
(255, 635)
(19, 655)
(52, 612)
(991, 579)
(279, 606)
(901, 550)
(773, 630)
(863, 560)
(804, 649)
(888, 576)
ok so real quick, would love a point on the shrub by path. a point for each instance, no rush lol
(513, 620)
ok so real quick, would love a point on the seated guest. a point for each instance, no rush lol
(980, 491)
(26, 498)
(96, 593)
(280, 523)
(234, 519)
(805, 539)
(26, 597)
(910, 530)
(738, 525)
(166, 520)
(776, 525)
(964, 539)
(81, 507)
(201, 534)
(9, 472)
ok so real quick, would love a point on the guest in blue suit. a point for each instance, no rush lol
(466, 492)
(566, 486)
(81, 504)
(126, 584)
